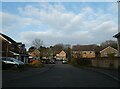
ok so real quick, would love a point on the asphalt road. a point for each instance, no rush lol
(60, 75)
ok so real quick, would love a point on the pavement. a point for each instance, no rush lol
(114, 74)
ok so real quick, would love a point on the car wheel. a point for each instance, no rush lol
(15, 66)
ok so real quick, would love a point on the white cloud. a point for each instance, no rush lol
(50, 38)
(114, 7)
(1, 31)
(87, 10)
(88, 26)
(12, 22)
(29, 11)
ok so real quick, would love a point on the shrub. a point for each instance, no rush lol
(81, 62)
(73, 61)
(36, 63)
(111, 55)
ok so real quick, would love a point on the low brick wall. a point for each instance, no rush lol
(105, 62)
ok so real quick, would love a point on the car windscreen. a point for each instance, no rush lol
(14, 59)
(2, 58)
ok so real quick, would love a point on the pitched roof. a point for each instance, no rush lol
(86, 48)
(62, 52)
(117, 35)
(31, 49)
(8, 38)
(107, 48)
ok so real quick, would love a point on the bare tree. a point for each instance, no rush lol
(107, 43)
(37, 43)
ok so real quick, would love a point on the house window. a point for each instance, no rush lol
(105, 54)
(12, 47)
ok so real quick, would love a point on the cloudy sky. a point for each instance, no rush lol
(60, 22)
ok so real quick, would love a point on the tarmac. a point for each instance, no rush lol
(29, 72)
(114, 74)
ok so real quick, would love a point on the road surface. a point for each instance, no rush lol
(59, 75)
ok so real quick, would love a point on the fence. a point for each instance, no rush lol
(105, 62)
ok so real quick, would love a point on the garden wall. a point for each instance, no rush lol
(105, 62)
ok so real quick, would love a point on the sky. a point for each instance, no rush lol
(59, 22)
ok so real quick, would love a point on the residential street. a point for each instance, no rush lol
(60, 43)
(57, 75)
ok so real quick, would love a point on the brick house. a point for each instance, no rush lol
(87, 54)
(61, 55)
(4, 47)
(107, 51)
(34, 53)
(23, 53)
(85, 51)
(10, 48)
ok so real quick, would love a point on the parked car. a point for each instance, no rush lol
(31, 60)
(47, 61)
(43, 61)
(52, 61)
(64, 62)
(11, 62)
